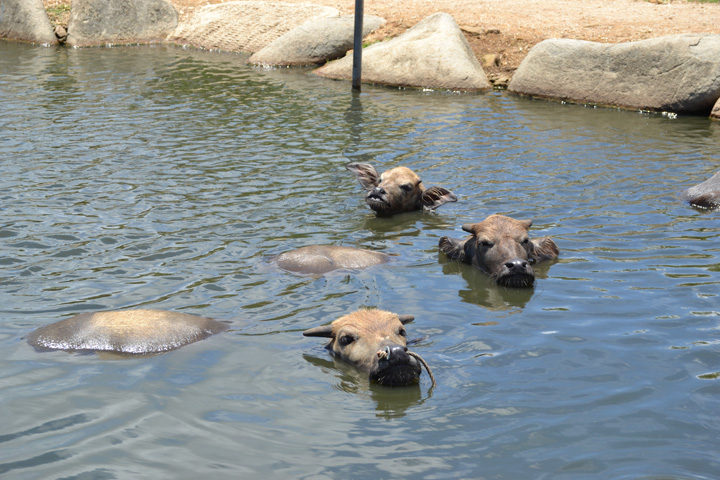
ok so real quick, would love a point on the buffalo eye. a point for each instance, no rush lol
(406, 188)
(402, 332)
(486, 243)
(346, 340)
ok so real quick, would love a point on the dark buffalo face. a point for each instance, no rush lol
(501, 247)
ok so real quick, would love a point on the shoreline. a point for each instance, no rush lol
(501, 33)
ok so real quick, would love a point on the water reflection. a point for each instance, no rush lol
(354, 118)
(392, 402)
(485, 292)
(175, 174)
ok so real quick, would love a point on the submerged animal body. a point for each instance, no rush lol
(398, 190)
(374, 341)
(318, 259)
(501, 247)
(125, 331)
(705, 195)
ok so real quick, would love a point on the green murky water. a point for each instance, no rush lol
(167, 178)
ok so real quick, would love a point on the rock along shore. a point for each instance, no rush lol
(679, 73)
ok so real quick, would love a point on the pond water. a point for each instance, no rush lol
(166, 178)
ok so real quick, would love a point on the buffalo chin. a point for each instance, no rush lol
(516, 280)
(377, 204)
(397, 375)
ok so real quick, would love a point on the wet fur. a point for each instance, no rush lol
(497, 242)
(398, 190)
(126, 331)
(359, 336)
(319, 259)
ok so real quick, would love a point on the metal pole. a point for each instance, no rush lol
(357, 45)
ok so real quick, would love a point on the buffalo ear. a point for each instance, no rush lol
(469, 227)
(325, 331)
(366, 174)
(452, 247)
(406, 318)
(434, 197)
(544, 249)
(527, 224)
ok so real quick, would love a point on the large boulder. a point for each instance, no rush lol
(677, 73)
(315, 42)
(432, 54)
(102, 22)
(25, 21)
(245, 26)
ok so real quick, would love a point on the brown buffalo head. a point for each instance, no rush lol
(501, 247)
(398, 190)
(374, 341)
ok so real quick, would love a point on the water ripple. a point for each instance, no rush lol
(170, 178)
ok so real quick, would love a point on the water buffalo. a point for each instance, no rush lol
(500, 246)
(318, 259)
(706, 194)
(374, 341)
(125, 331)
(398, 190)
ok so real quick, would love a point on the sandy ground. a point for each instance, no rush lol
(502, 31)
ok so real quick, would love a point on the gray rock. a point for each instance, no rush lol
(706, 194)
(315, 42)
(244, 26)
(432, 54)
(677, 73)
(102, 22)
(25, 21)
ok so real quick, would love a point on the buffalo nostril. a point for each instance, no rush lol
(392, 352)
(516, 265)
(397, 350)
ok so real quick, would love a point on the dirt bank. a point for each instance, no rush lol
(509, 28)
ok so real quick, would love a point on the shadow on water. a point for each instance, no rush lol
(405, 224)
(391, 402)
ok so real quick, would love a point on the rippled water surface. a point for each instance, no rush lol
(166, 178)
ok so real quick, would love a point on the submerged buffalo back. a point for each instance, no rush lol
(319, 259)
(125, 331)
